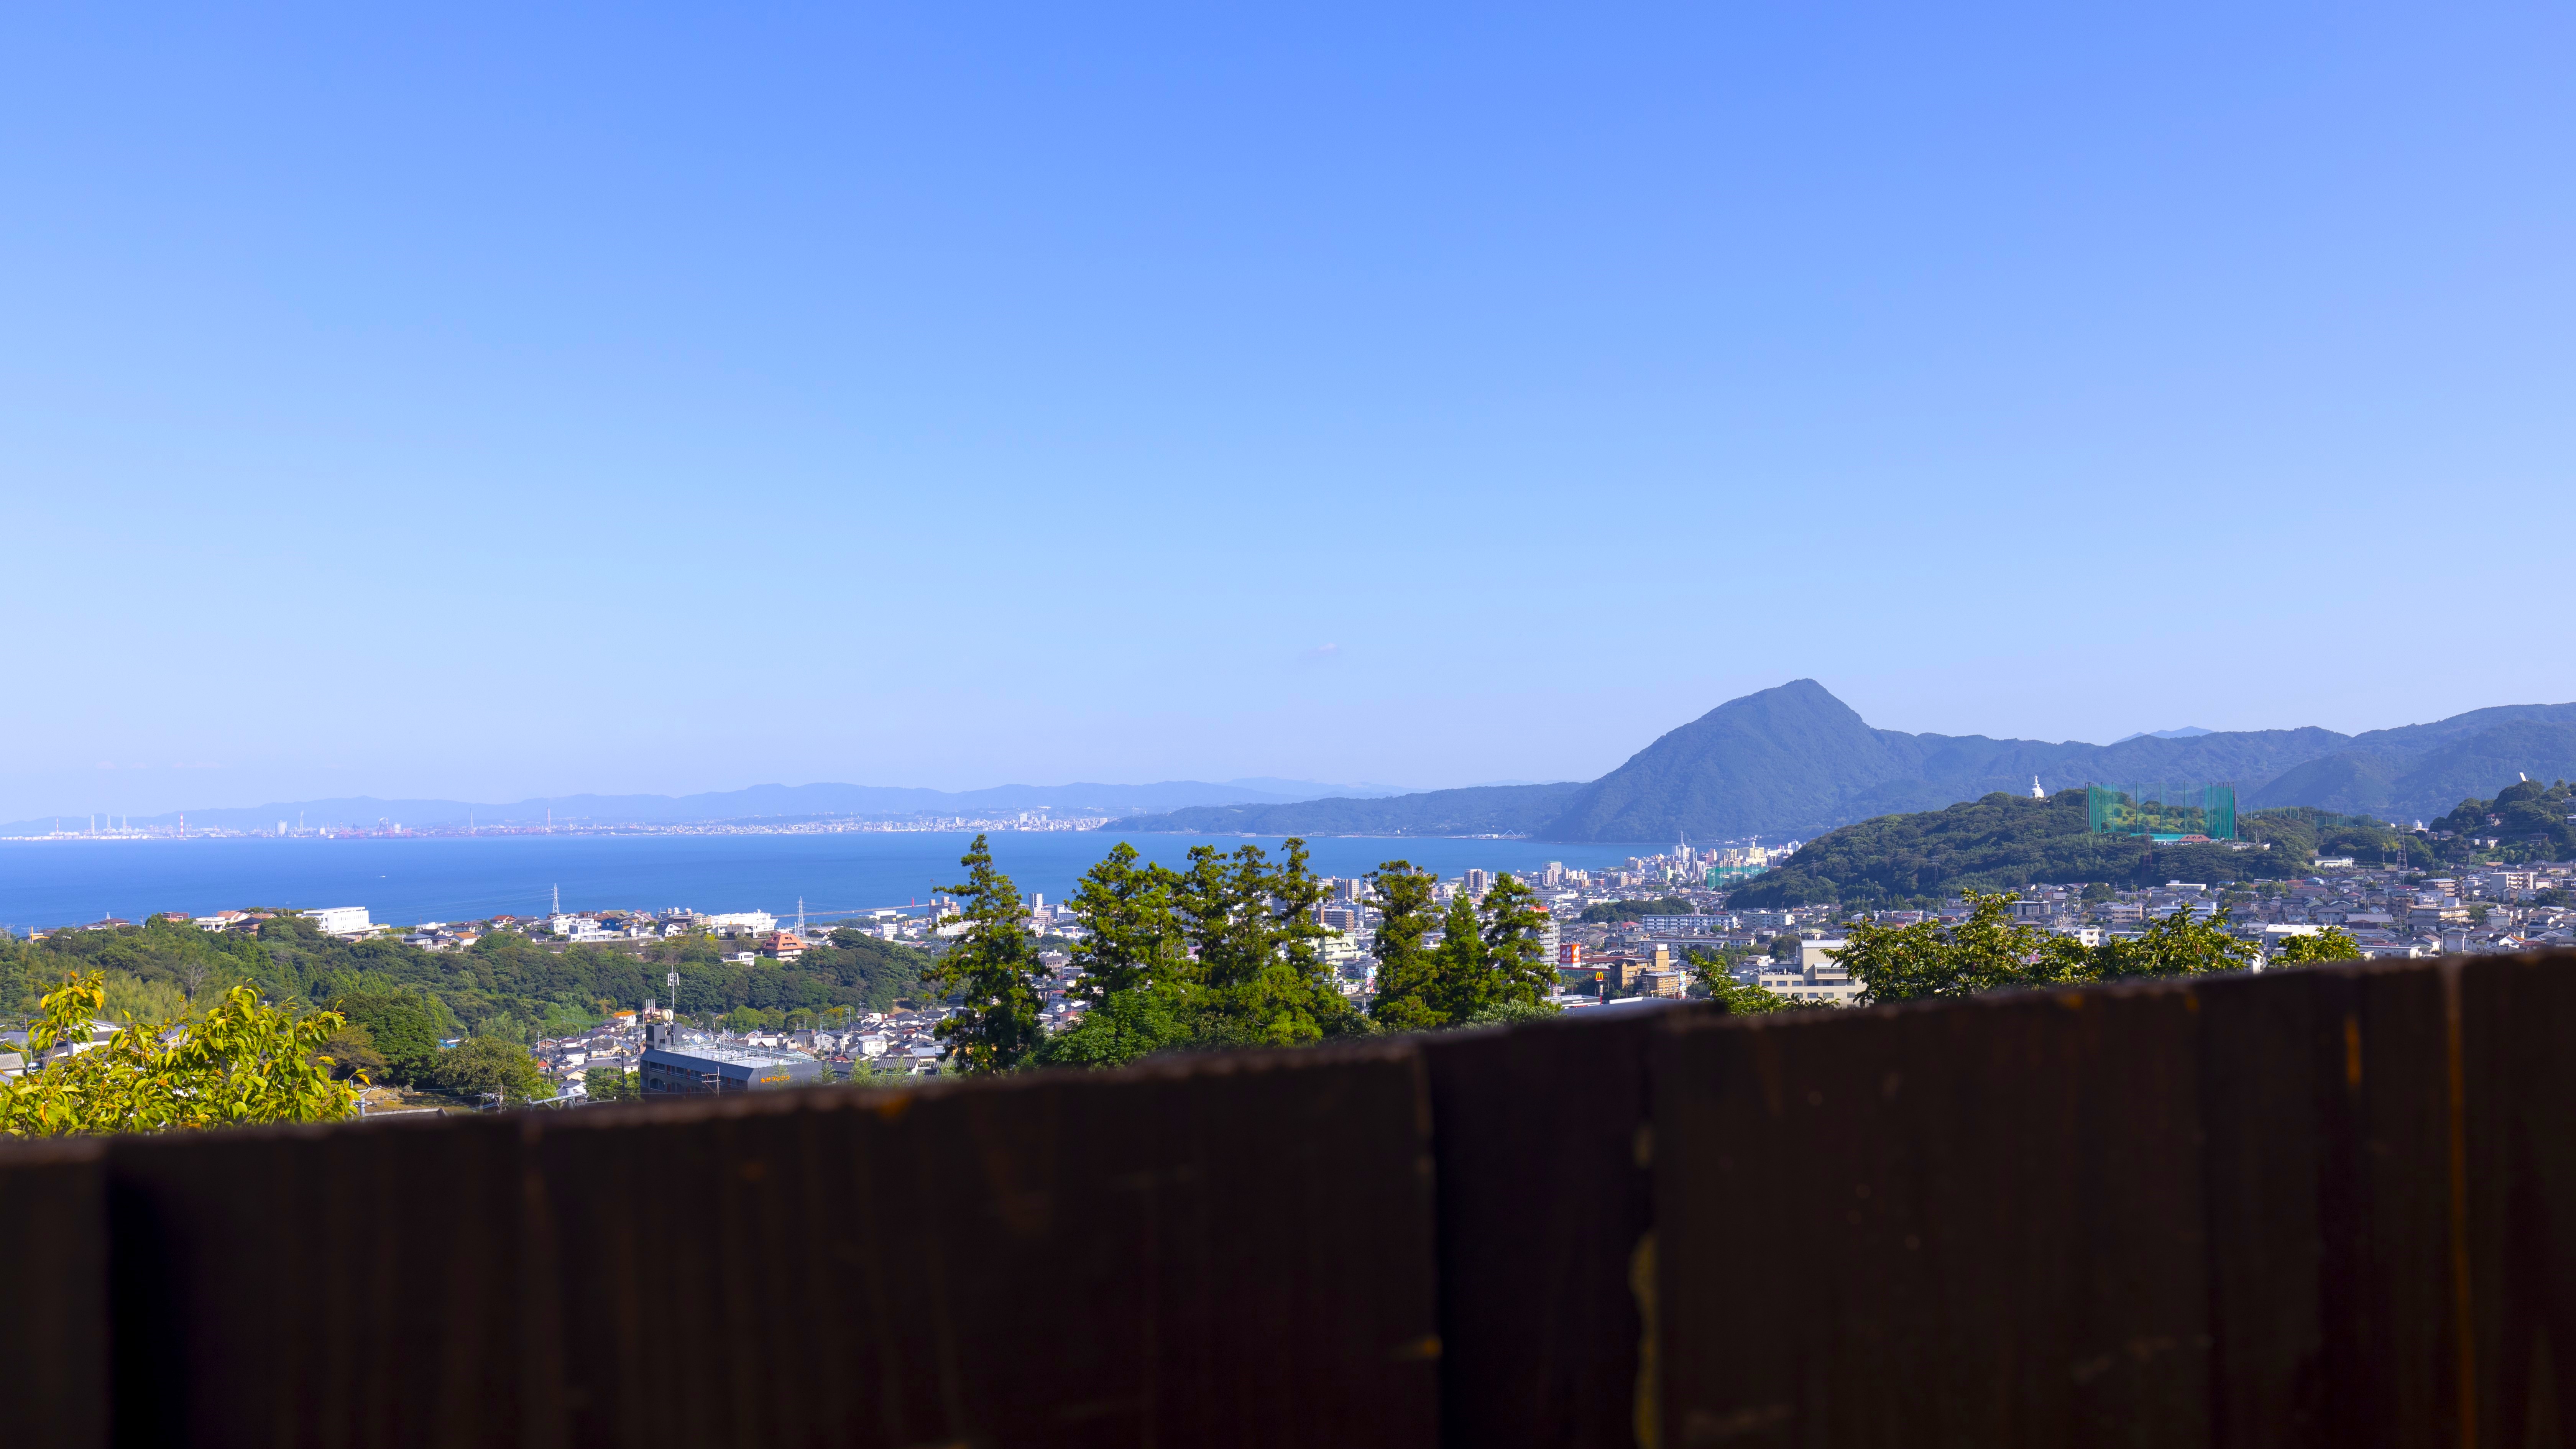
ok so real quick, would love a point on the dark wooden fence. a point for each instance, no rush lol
(2329, 1207)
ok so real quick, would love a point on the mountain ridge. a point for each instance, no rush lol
(751, 802)
(1793, 760)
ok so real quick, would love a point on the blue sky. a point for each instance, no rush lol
(467, 401)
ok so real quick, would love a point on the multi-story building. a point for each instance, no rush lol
(340, 920)
(699, 1068)
(1683, 925)
(1823, 983)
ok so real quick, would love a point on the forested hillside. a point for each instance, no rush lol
(2422, 772)
(1997, 843)
(505, 985)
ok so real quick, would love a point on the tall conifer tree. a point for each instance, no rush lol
(1407, 971)
(1131, 940)
(993, 968)
(1522, 975)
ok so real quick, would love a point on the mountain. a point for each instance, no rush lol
(2187, 732)
(2445, 769)
(756, 802)
(1795, 761)
(1786, 760)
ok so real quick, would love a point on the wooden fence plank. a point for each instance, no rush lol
(2331, 1293)
(1545, 1196)
(1228, 1250)
(358, 1285)
(1973, 1223)
(2518, 1037)
(53, 1264)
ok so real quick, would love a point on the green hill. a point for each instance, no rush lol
(2001, 842)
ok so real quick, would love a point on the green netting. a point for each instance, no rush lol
(2162, 811)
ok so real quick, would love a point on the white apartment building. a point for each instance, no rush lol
(341, 920)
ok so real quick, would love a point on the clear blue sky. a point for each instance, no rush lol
(484, 401)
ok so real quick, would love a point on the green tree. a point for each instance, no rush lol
(1607, 911)
(241, 1063)
(402, 1028)
(1461, 980)
(1225, 953)
(1514, 953)
(1931, 958)
(608, 1084)
(2179, 944)
(1277, 990)
(1507, 1013)
(351, 1052)
(1137, 977)
(1124, 1027)
(2333, 943)
(139, 1001)
(993, 969)
(1408, 985)
(1742, 1000)
(1132, 940)
(483, 1066)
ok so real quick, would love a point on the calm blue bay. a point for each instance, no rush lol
(54, 883)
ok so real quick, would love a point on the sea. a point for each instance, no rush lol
(49, 883)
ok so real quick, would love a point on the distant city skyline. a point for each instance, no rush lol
(495, 404)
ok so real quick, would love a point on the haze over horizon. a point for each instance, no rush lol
(488, 405)
(1265, 788)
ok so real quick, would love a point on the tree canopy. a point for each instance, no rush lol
(241, 1063)
(1607, 911)
(1225, 952)
(992, 971)
(1488, 954)
(1989, 951)
(506, 985)
(2527, 817)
